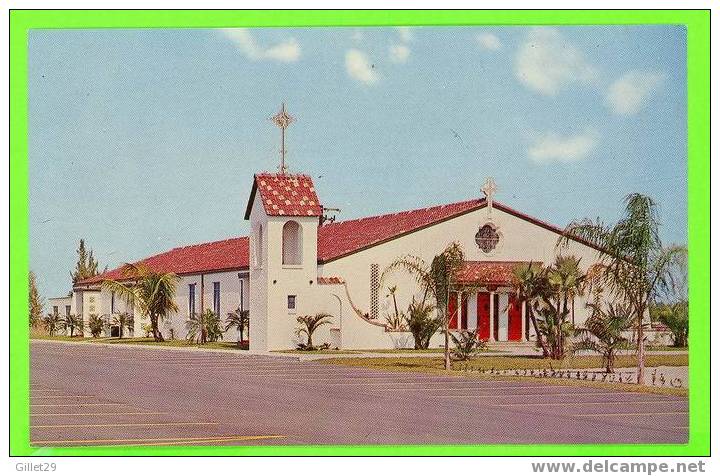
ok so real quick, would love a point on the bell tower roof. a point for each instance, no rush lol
(285, 195)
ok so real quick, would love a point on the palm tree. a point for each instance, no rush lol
(675, 317)
(564, 281)
(71, 322)
(436, 280)
(309, 324)
(52, 322)
(529, 286)
(122, 321)
(635, 262)
(604, 331)
(421, 323)
(239, 320)
(95, 325)
(153, 293)
(203, 327)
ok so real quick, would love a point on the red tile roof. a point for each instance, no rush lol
(487, 272)
(330, 280)
(285, 195)
(339, 239)
(335, 240)
(206, 257)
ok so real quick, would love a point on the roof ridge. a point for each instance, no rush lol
(386, 215)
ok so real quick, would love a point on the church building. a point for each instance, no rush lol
(297, 262)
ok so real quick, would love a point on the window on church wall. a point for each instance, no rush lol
(292, 243)
(374, 291)
(487, 238)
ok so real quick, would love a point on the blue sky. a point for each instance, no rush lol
(142, 140)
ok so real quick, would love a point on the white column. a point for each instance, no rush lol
(492, 317)
(458, 308)
(472, 311)
(503, 317)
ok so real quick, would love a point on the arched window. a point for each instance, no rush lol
(291, 243)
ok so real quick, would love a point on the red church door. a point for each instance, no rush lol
(483, 316)
(452, 310)
(514, 318)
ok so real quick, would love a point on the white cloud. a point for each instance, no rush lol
(285, 51)
(399, 53)
(546, 62)
(551, 147)
(358, 66)
(405, 33)
(628, 94)
(357, 36)
(488, 41)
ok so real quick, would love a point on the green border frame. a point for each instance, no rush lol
(697, 23)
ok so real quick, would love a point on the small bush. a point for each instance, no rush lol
(467, 344)
(96, 324)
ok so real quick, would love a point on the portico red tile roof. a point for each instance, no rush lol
(285, 195)
(487, 272)
(330, 280)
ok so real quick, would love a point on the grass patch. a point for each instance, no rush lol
(509, 362)
(666, 348)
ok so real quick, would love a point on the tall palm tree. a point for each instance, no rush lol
(565, 281)
(151, 292)
(635, 264)
(239, 320)
(436, 280)
(604, 331)
(309, 324)
(529, 286)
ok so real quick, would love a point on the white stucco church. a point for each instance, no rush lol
(295, 262)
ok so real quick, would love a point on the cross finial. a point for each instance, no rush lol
(489, 190)
(283, 120)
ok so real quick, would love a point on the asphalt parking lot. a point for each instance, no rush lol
(84, 394)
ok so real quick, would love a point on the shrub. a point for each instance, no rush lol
(422, 323)
(96, 325)
(308, 325)
(467, 344)
(204, 327)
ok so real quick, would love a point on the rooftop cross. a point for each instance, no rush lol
(283, 120)
(489, 190)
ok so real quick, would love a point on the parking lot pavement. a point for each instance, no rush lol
(83, 394)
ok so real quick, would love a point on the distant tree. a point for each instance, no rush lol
(152, 293)
(35, 302)
(309, 324)
(52, 322)
(675, 317)
(86, 266)
(239, 320)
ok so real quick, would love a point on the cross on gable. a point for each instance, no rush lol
(489, 190)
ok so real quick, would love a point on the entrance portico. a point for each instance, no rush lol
(484, 300)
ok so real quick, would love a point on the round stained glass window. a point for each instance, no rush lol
(487, 238)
